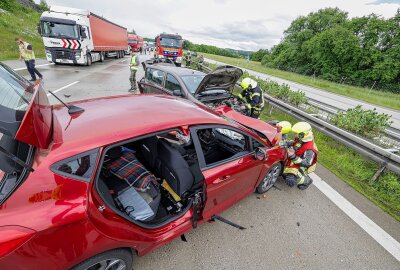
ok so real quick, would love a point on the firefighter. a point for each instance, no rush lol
(133, 65)
(188, 58)
(302, 157)
(252, 96)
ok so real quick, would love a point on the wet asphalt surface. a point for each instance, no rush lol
(286, 229)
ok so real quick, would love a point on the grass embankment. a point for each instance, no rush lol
(353, 168)
(20, 22)
(386, 99)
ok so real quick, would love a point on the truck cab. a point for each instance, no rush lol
(74, 36)
(169, 46)
(135, 42)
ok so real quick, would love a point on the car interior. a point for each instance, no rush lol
(153, 180)
(13, 172)
(162, 169)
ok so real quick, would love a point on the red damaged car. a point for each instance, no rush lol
(86, 185)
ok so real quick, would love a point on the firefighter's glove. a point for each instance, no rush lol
(291, 153)
(243, 108)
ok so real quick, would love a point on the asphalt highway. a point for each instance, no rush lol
(328, 226)
(338, 101)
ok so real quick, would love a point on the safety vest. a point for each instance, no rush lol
(133, 63)
(24, 53)
(250, 95)
(293, 166)
(29, 56)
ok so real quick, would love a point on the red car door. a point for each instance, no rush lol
(228, 165)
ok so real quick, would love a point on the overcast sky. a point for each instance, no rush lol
(237, 24)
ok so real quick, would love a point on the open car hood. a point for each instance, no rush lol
(270, 132)
(223, 78)
(25, 112)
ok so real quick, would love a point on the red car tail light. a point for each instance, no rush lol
(12, 237)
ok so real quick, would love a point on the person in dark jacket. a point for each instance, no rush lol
(253, 97)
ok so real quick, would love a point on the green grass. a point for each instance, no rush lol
(386, 99)
(19, 24)
(353, 168)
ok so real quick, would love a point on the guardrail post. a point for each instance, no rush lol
(377, 174)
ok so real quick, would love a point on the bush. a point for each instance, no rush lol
(367, 123)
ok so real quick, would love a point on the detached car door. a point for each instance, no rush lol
(228, 165)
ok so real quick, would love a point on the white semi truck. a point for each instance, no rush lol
(75, 36)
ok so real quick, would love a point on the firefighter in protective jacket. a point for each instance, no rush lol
(253, 97)
(302, 157)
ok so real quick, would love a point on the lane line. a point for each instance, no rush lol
(64, 87)
(18, 69)
(123, 61)
(370, 227)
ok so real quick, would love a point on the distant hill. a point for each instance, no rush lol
(241, 52)
(19, 19)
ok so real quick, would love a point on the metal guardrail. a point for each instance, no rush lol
(372, 151)
(362, 146)
(390, 132)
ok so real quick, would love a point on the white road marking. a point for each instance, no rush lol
(17, 69)
(62, 88)
(123, 61)
(376, 232)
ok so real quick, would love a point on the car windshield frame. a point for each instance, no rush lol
(133, 41)
(46, 26)
(192, 86)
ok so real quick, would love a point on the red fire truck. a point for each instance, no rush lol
(169, 46)
(135, 42)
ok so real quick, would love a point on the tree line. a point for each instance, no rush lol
(363, 51)
(187, 45)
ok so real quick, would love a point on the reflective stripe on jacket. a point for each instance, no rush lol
(294, 166)
(254, 98)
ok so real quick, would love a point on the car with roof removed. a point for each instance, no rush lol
(87, 184)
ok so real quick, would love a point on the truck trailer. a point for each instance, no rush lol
(75, 36)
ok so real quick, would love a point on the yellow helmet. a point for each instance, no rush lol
(285, 126)
(248, 83)
(303, 129)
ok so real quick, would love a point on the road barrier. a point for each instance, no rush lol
(384, 157)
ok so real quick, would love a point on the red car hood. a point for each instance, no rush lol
(269, 131)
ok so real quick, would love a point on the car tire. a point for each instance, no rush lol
(120, 258)
(269, 179)
(88, 60)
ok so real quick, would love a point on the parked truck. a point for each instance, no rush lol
(169, 46)
(75, 36)
(135, 42)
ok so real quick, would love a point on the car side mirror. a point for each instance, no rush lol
(260, 154)
(177, 93)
